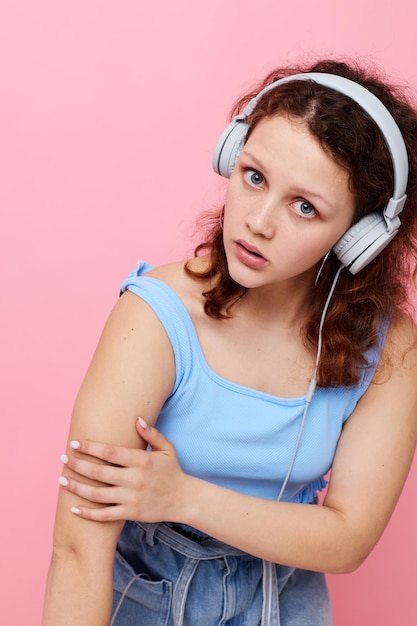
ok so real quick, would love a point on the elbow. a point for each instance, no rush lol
(72, 562)
(62, 552)
(73, 554)
(84, 541)
(348, 543)
(66, 556)
(67, 544)
(347, 566)
(349, 558)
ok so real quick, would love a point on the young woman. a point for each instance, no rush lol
(283, 349)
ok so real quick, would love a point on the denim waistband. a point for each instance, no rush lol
(190, 543)
(196, 545)
(169, 566)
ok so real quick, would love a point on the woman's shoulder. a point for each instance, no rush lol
(187, 288)
(175, 272)
(169, 273)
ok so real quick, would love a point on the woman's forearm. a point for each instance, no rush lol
(79, 588)
(306, 536)
(78, 592)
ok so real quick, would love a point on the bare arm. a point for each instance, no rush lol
(131, 374)
(372, 461)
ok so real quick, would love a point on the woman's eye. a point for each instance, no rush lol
(254, 178)
(304, 208)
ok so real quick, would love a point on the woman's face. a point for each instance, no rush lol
(287, 204)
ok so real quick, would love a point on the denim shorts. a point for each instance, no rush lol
(168, 575)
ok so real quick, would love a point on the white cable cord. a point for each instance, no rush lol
(267, 565)
(313, 382)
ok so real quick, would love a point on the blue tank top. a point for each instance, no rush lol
(236, 436)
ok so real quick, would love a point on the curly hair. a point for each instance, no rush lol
(348, 134)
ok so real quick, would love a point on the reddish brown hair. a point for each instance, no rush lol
(362, 301)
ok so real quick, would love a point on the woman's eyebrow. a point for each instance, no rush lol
(253, 158)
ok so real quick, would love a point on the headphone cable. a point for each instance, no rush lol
(313, 382)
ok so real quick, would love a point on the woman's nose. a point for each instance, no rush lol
(261, 220)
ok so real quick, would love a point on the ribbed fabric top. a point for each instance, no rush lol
(235, 436)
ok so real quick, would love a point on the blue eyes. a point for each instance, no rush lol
(305, 208)
(252, 177)
(302, 207)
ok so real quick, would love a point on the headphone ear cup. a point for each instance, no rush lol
(229, 147)
(363, 242)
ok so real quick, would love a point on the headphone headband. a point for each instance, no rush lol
(384, 226)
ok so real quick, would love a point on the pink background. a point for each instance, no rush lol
(109, 115)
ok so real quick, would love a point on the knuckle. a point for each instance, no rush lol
(95, 494)
(109, 452)
(135, 481)
(147, 461)
(96, 472)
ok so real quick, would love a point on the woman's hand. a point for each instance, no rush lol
(142, 485)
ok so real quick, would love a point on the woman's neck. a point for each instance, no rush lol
(287, 303)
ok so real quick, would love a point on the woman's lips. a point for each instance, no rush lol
(249, 255)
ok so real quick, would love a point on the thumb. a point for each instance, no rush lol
(151, 435)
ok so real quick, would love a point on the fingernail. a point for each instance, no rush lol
(143, 423)
(75, 510)
(64, 458)
(63, 481)
(75, 445)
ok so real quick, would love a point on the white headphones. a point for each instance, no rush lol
(363, 241)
